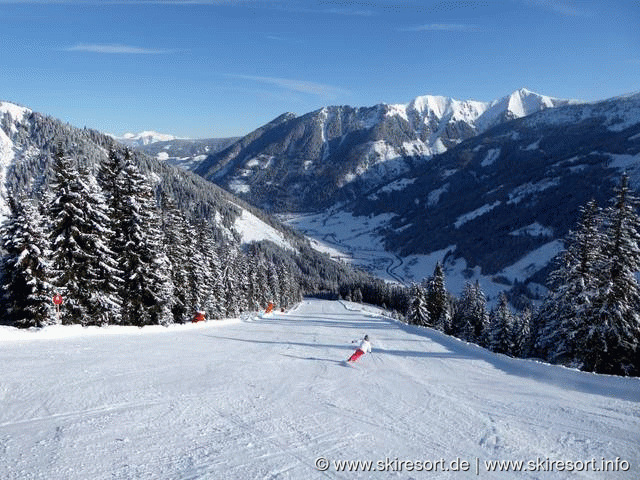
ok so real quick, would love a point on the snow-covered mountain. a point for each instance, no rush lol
(143, 138)
(336, 153)
(492, 188)
(495, 207)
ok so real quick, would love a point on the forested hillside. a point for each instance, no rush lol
(126, 238)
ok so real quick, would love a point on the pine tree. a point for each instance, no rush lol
(480, 315)
(500, 327)
(179, 248)
(242, 282)
(263, 290)
(418, 312)
(568, 310)
(200, 268)
(287, 285)
(214, 269)
(103, 275)
(471, 318)
(230, 283)
(205, 263)
(27, 267)
(147, 280)
(84, 268)
(610, 342)
(253, 295)
(274, 283)
(521, 334)
(444, 323)
(438, 302)
(109, 179)
(357, 295)
(62, 214)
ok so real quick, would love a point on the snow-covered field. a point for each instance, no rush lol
(268, 397)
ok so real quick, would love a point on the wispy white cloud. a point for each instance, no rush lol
(441, 27)
(113, 48)
(300, 86)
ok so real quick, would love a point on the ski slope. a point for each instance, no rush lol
(265, 398)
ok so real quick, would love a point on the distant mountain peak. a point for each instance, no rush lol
(478, 114)
(144, 138)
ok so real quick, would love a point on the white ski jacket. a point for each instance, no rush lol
(365, 346)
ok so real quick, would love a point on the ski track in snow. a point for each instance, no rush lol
(262, 399)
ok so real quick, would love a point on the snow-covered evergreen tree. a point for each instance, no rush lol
(108, 178)
(84, 268)
(444, 322)
(263, 289)
(521, 334)
(357, 295)
(610, 342)
(288, 286)
(147, 288)
(472, 319)
(230, 283)
(27, 286)
(500, 327)
(418, 313)
(216, 300)
(274, 284)
(243, 289)
(179, 248)
(104, 277)
(569, 309)
(438, 301)
(205, 265)
(252, 274)
(198, 265)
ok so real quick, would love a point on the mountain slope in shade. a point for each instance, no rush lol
(336, 153)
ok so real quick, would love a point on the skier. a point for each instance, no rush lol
(365, 347)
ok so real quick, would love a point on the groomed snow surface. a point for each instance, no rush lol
(267, 397)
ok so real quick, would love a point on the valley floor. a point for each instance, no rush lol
(268, 397)
(358, 240)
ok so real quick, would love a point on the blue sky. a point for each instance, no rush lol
(215, 68)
